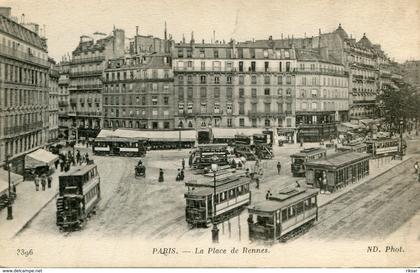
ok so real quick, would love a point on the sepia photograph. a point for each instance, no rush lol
(215, 134)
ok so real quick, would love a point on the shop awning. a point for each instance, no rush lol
(4, 180)
(224, 132)
(39, 158)
(105, 133)
(248, 131)
(186, 135)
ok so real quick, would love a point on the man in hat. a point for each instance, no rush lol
(161, 179)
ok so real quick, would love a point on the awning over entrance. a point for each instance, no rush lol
(4, 180)
(186, 135)
(224, 132)
(39, 158)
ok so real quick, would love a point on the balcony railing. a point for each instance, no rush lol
(86, 87)
(13, 130)
(274, 114)
(86, 73)
(88, 60)
(90, 114)
(205, 69)
(63, 103)
(23, 56)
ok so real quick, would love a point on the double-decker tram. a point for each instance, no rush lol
(262, 147)
(358, 146)
(382, 147)
(305, 155)
(119, 146)
(283, 215)
(206, 154)
(79, 193)
(203, 206)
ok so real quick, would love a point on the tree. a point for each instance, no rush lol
(399, 103)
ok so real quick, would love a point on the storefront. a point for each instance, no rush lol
(39, 161)
(286, 135)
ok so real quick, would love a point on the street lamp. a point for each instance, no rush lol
(9, 199)
(215, 230)
(179, 136)
(401, 138)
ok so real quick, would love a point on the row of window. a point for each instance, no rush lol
(20, 145)
(142, 87)
(323, 93)
(115, 112)
(135, 124)
(115, 100)
(21, 97)
(228, 53)
(18, 74)
(22, 47)
(138, 74)
(24, 119)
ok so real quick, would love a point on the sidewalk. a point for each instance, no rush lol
(27, 206)
(374, 172)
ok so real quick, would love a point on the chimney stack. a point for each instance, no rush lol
(137, 30)
(23, 19)
(5, 11)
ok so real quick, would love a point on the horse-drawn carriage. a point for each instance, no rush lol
(140, 170)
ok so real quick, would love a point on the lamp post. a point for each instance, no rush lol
(401, 138)
(179, 136)
(215, 229)
(9, 199)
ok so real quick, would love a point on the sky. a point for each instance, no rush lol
(393, 24)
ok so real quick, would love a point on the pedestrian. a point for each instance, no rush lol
(49, 179)
(78, 158)
(43, 182)
(183, 164)
(247, 172)
(36, 180)
(267, 195)
(178, 176)
(56, 164)
(87, 158)
(297, 184)
(233, 165)
(278, 167)
(301, 142)
(250, 220)
(182, 175)
(416, 167)
(73, 160)
(61, 165)
(257, 180)
(161, 179)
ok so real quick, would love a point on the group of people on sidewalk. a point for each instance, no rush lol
(71, 158)
(44, 180)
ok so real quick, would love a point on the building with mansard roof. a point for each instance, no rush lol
(24, 92)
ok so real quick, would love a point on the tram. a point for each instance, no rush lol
(206, 154)
(359, 147)
(283, 215)
(79, 193)
(305, 155)
(382, 147)
(262, 148)
(232, 196)
(119, 146)
(243, 147)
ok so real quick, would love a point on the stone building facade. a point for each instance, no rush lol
(138, 92)
(53, 77)
(24, 112)
(86, 68)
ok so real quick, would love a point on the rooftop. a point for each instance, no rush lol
(339, 159)
(20, 32)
